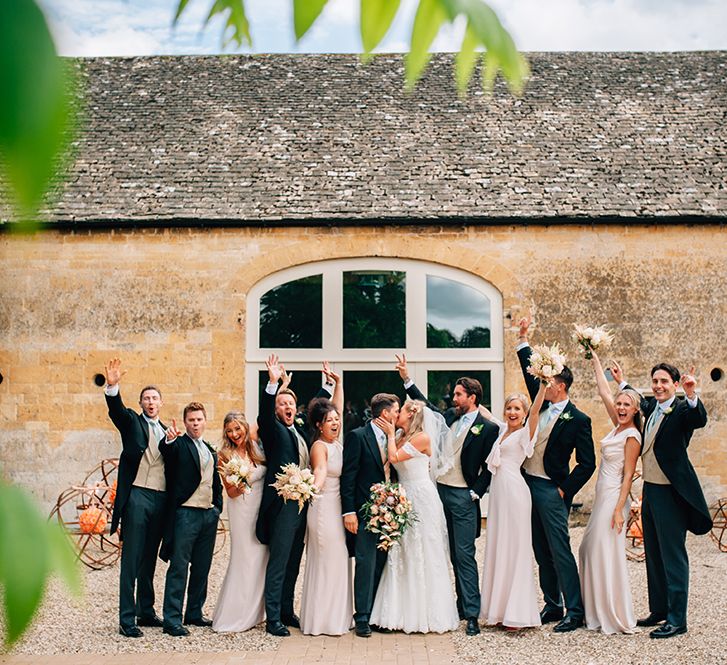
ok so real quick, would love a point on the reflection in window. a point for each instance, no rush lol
(440, 385)
(374, 309)
(457, 315)
(291, 315)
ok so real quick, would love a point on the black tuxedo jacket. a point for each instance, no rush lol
(571, 432)
(184, 473)
(134, 432)
(475, 449)
(670, 448)
(281, 448)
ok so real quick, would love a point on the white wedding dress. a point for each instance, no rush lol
(415, 593)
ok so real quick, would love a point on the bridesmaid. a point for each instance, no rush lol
(240, 605)
(604, 578)
(509, 597)
(327, 602)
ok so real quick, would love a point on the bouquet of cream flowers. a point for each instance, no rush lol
(388, 512)
(295, 484)
(546, 362)
(592, 339)
(236, 471)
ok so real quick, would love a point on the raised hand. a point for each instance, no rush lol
(524, 326)
(616, 372)
(330, 374)
(275, 371)
(113, 371)
(402, 368)
(287, 377)
(385, 426)
(689, 383)
(172, 431)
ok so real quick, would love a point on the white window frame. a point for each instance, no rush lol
(420, 359)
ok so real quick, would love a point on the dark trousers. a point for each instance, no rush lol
(286, 550)
(461, 514)
(370, 563)
(195, 530)
(551, 543)
(664, 520)
(141, 529)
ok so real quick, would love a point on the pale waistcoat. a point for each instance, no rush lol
(652, 470)
(202, 497)
(303, 454)
(151, 467)
(534, 465)
(454, 477)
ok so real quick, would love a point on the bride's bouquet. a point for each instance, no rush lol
(592, 339)
(237, 472)
(388, 512)
(546, 362)
(295, 484)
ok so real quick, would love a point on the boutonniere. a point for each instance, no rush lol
(299, 422)
(668, 411)
(476, 429)
(566, 416)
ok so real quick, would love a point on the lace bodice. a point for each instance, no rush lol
(414, 469)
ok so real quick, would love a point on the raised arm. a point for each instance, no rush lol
(412, 391)
(120, 416)
(603, 389)
(696, 414)
(618, 376)
(167, 446)
(524, 353)
(535, 409)
(334, 378)
(266, 416)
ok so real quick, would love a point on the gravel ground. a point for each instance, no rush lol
(90, 625)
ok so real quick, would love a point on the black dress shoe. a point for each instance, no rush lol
(276, 628)
(473, 627)
(152, 621)
(363, 629)
(653, 619)
(203, 621)
(568, 624)
(175, 631)
(549, 616)
(291, 620)
(667, 630)
(130, 631)
(380, 629)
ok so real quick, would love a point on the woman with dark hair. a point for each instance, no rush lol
(327, 602)
(602, 554)
(240, 605)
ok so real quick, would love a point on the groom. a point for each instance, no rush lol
(463, 485)
(552, 483)
(365, 464)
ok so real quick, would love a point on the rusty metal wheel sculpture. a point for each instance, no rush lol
(104, 472)
(85, 515)
(634, 530)
(719, 523)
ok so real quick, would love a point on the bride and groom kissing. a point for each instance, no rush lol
(440, 460)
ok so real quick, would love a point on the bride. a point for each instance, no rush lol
(414, 595)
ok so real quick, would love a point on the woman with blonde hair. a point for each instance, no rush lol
(602, 554)
(240, 605)
(509, 597)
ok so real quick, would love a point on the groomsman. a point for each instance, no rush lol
(563, 429)
(673, 502)
(365, 464)
(195, 504)
(140, 500)
(463, 485)
(279, 524)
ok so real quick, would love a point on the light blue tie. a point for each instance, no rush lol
(546, 416)
(204, 453)
(654, 417)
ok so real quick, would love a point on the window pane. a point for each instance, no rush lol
(374, 309)
(457, 315)
(291, 315)
(440, 385)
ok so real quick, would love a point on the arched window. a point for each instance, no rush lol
(358, 313)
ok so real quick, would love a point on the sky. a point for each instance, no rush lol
(143, 27)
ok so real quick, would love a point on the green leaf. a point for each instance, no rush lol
(305, 12)
(63, 557)
(180, 8)
(490, 67)
(427, 22)
(35, 112)
(376, 18)
(237, 27)
(24, 560)
(466, 59)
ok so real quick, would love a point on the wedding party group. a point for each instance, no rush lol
(389, 513)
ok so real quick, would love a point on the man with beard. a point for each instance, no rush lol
(461, 487)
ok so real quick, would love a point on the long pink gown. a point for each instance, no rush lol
(241, 605)
(327, 604)
(508, 579)
(602, 556)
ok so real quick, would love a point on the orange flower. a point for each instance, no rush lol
(92, 520)
(112, 493)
